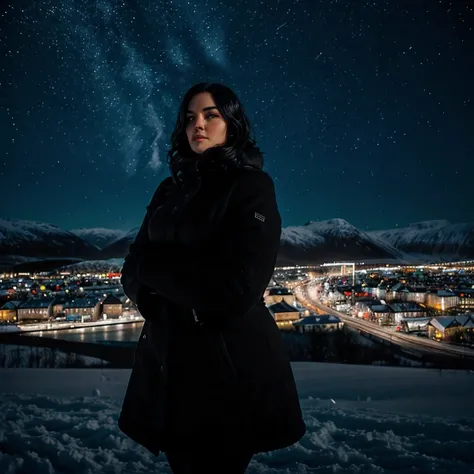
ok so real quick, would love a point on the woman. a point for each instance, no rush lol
(211, 383)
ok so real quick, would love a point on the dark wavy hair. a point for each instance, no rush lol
(240, 135)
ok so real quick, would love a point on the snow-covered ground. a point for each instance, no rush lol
(360, 419)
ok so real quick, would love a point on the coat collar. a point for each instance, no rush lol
(214, 160)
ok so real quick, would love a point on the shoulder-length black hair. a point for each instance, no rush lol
(240, 135)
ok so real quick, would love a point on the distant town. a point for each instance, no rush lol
(433, 301)
(28, 300)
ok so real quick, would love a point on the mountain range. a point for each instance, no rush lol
(313, 243)
(99, 237)
(438, 237)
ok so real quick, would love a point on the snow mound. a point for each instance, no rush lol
(349, 429)
(78, 435)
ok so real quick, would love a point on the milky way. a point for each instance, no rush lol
(364, 109)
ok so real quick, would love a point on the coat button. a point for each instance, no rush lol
(144, 336)
(162, 369)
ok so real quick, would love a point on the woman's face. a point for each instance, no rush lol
(203, 119)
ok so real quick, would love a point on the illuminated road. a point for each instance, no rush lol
(415, 345)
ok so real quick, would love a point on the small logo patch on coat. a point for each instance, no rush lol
(259, 217)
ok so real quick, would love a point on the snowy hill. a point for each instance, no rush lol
(333, 239)
(41, 240)
(434, 238)
(99, 237)
(96, 266)
(359, 419)
(314, 242)
(8, 261)
(119, 248)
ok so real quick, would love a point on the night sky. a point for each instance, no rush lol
(364, 109)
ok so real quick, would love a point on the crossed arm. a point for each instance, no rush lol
(230, 277)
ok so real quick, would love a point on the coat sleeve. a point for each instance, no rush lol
(232, 277)
(130, 283)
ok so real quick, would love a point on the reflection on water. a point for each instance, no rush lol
(119, 332)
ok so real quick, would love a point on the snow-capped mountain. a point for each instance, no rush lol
(315, 242)
(99, 237)
(435, 238)
(96, 266)
(119, 248)
(333, 239)
(41, 240)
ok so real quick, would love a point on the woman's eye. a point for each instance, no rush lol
(188, 119)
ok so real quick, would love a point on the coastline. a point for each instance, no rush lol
(48, 327)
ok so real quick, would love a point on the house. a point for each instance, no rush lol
(83, 307)
(467, 322)
(403, 292)
(276, 295)
(9, 311)
(382, 314)
(58, 306)
(380, 291)
(414, 324)
(373, 290)
(284, 314)
(442, 300)
(406, 309)
(319, 323)
(112, 307)
(336, 297)
(35, 309)
(466, 299)
(444, 327)
(395, 290)
(128, 306)
(362, 307)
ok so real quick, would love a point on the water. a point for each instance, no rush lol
(120, 332)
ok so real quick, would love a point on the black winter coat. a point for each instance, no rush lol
(210, 365)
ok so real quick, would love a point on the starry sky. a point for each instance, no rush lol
(364, 109)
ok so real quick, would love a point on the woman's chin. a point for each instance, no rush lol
(200, 147)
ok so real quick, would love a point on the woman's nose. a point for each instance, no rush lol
(199, 123)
